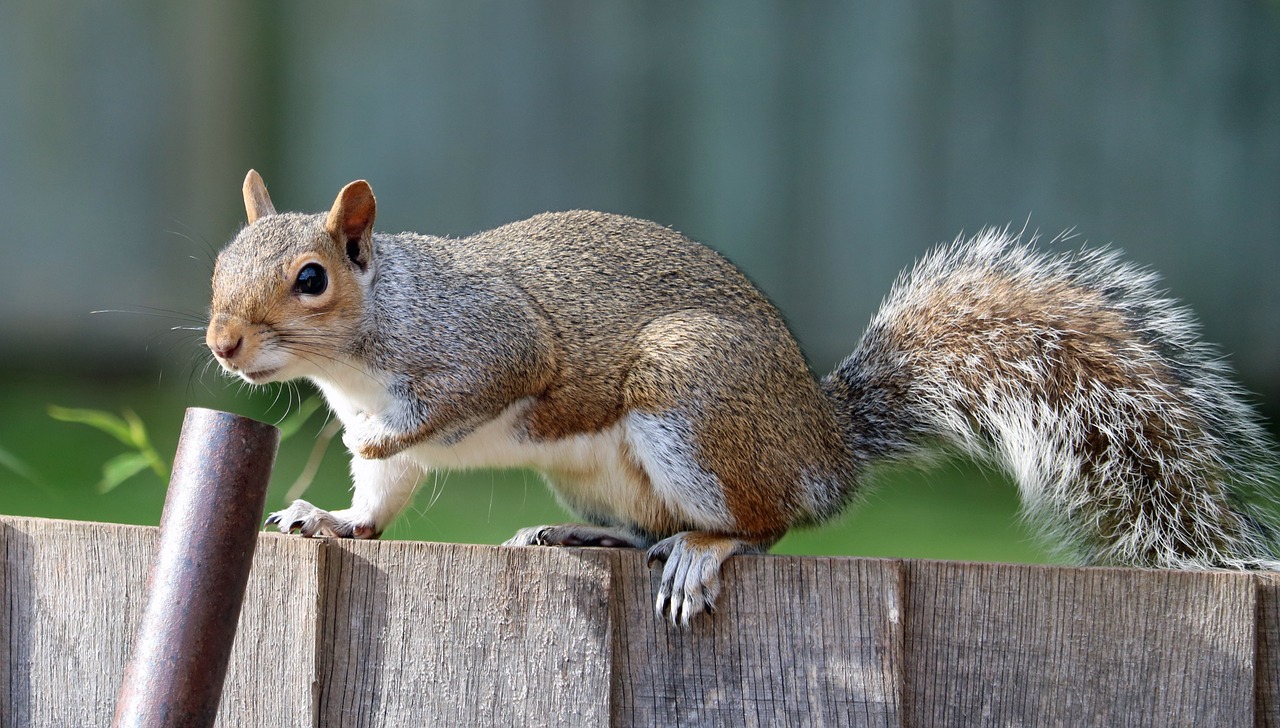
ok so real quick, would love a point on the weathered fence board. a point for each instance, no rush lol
(338, 633)
(72, 598)
(1267, 684)
(272, 671)
(444, 634)
(1005, 644)
(793, 642)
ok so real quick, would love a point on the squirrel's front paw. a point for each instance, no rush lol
(306, 519)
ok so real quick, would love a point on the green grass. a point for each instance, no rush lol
(950, 512)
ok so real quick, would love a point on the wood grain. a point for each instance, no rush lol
(444, 634)
(795, 641)
(73, 594)
(271, 676)
(1267, 682)
(998, 644)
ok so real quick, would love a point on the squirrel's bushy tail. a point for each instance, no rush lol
(1126, 435)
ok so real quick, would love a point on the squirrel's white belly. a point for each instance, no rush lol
(631, 467)
(591, 472)
(502, 443)
(498, 443)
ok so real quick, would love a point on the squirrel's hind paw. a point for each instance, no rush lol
(303, 518)
(572, 534)
(691, 572)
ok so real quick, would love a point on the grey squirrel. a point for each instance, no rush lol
(667, 404)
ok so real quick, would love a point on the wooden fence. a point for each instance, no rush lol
(409, 634)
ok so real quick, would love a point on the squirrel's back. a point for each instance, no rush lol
(595, 276)
(1126, 434)
(647, 269)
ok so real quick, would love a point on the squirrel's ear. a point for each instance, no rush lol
(350, 222)
(257, 203)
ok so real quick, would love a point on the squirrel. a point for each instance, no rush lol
(667, 404)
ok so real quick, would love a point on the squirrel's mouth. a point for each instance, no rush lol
(260, 376)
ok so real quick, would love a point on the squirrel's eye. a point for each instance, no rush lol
(312, 280)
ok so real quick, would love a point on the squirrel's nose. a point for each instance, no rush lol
(225, 348)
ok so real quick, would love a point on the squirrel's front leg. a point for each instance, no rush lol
(380, 435)
(382, 488)
(367, 438)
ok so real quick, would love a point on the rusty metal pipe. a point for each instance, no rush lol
(208, 532)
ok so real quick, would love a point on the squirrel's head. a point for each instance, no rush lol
(289, 290)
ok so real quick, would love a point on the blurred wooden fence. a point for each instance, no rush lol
(821, 146)
(410, 634)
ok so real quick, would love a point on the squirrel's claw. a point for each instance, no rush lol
(690, 580)
(531, 536)
(303, 518)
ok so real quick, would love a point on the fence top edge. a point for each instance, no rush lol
(33, 523)
(633, 558)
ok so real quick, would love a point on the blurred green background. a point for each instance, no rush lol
(821, 146)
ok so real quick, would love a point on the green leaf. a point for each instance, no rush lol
(294, 421)
(137, 431)
(122, 467)
(158, 465)
(104, 421)
(130, 431)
